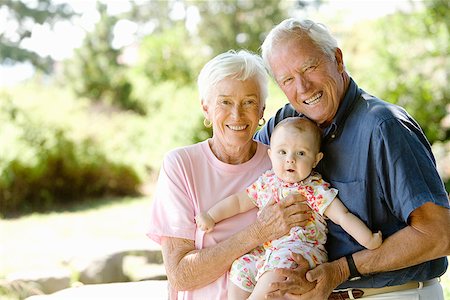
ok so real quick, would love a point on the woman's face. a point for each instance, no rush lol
(234, 108)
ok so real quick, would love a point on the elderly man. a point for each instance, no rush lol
(378, 158)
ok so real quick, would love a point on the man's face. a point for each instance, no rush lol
(313, 82)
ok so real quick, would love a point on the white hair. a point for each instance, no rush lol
(297, 29)
(240, 65)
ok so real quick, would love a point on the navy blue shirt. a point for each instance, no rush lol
(379, 159)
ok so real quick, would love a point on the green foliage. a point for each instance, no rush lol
(43, 165)
(405, 62)
(169, 56)
(25, 15)
(95, 73)
(236, 24)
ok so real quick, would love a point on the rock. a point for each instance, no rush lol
(108, 268)
(153, 289)
(40, 281)
(138, 268)
(103, 269)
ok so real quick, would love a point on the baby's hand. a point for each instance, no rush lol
(205, 222)
(376, 241)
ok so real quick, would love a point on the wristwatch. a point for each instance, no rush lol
(354, 273)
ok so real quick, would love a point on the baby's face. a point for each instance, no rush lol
(293, 154)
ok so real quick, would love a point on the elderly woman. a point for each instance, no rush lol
(233, 89)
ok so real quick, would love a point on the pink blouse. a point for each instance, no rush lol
(191, 180)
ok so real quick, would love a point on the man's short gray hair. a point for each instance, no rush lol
(241, 65)
(297, 29)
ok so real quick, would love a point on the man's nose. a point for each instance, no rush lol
(302, 84)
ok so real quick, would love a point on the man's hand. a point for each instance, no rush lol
(318, 285)
(295, 283)
(205, 222)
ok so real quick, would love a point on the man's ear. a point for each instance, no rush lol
(319, 157)
(339, 60)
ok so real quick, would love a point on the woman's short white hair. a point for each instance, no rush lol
(297, 29)
(241, 65)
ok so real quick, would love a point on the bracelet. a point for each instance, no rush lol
(354, 273)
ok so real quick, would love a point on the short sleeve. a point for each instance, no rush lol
(319, 194)
(254, 190)
(406, 168)
(172, 212)
(261, 191)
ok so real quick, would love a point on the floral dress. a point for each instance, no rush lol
(308, 240)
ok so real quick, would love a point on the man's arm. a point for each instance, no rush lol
(425, 238)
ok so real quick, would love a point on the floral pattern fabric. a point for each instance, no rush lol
(308, 241)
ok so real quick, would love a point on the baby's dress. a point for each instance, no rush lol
(308, 241)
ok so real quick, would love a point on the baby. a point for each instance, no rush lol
(294, 152)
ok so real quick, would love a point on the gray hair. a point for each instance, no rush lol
(240, 65)
(296, 29)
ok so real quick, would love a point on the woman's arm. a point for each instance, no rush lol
(339, 214)
(188, 268)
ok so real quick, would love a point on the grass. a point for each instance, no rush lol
(45, 241)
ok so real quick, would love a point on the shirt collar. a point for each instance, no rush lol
(345, 107)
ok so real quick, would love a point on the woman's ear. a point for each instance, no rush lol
(261, 115)
(205, 109)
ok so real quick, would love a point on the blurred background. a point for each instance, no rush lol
(92, 94)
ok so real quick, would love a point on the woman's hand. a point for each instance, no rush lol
(277, 218)
(205, 222)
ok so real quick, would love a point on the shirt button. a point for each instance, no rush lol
(333, 136)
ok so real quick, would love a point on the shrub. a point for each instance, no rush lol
(43, 165)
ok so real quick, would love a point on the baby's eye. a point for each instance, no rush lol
(282, 152)
(300, 153)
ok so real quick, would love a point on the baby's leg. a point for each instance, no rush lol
(236, 293)
(263, 285)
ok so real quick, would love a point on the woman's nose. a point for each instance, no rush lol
(236, 111)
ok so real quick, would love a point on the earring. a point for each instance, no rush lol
(207, 123)
(262, 121)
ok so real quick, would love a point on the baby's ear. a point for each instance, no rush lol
(319, 156)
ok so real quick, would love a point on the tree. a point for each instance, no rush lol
(405, 61)
(236, 24)
(95, 73)
(23, 16)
